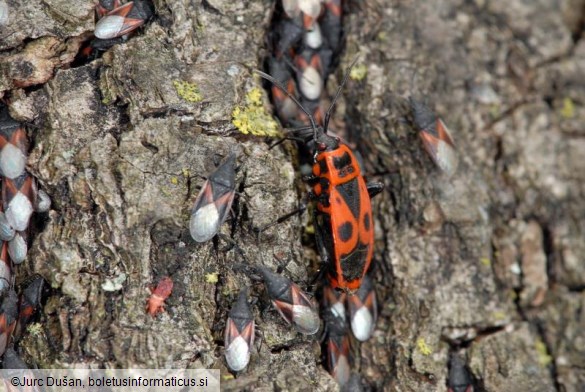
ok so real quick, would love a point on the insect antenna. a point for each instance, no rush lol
(295, 131)
(285, 91)
(284, 139)
(337, 94)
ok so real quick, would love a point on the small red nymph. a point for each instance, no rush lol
(156, 301)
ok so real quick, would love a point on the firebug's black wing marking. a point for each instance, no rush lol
(351, 195)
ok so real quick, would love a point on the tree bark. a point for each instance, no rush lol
(487, 263)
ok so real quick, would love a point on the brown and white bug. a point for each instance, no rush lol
(239, 334)
(291, 302)
(214, 201)
(436, 137)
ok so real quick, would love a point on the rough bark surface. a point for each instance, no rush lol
(488, 263)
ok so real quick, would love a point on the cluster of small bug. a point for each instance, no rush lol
(305, 38)
(20, 197)
(211, 209)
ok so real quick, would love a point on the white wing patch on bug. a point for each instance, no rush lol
(310, 7)
(342, 370)
(17, 249)
(204, 223)
(109, 26)
(12, 161)
(19, 211)
(446, 158)
(313, 38)
(338, 310)
(305, 319)
(362, 324)
(311, 83)
(237, 355)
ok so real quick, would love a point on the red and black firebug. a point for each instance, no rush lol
(343, 218)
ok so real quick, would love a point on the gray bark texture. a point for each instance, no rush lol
(488, 263)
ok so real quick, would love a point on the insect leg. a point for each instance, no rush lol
(299, 210)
